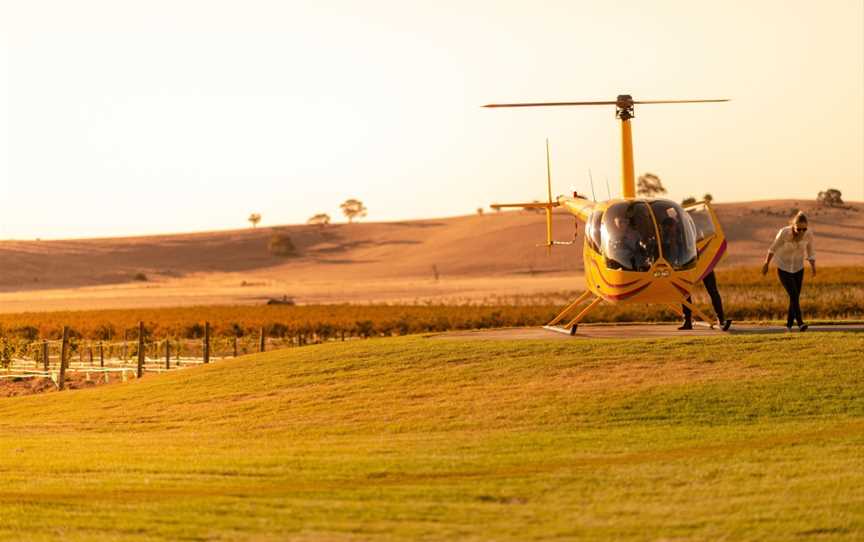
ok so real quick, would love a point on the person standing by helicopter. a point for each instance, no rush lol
(710, 283)
(790, 246)
(672, 240)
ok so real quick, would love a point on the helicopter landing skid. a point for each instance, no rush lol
(564, 330)
(572, 330)
(703, 320)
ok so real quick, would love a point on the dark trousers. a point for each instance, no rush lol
(793, 283)
(710, 282)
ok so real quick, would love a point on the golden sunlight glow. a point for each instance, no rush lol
(125, 118)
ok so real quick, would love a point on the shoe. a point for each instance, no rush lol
(725, 325)
(803, 327)
(686, 326)
(788, 329)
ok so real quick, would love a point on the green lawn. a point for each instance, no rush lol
(733, 437)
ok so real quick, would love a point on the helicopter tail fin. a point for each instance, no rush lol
(535, 205)
(548, 205)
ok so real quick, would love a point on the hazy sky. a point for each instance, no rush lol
(123, 117)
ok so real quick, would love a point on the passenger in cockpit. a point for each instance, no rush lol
(672, 239)
(623, 246)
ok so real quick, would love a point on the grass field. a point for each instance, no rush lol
(733, 437)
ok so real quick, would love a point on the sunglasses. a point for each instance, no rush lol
(799, 228)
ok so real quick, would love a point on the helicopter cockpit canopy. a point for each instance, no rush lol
(633, 235)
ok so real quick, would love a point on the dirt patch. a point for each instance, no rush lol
(14, 387)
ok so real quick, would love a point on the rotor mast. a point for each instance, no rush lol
(624, 112)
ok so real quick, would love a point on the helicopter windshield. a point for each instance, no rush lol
(629, 239)
(677, 234)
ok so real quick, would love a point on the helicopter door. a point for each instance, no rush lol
(710, 239)
(677, 234)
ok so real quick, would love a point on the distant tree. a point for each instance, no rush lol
(649, 185)
(690, 200)
(321, 219)
(366, 328)
(479, 210)
(254, 218)
(353, 208)
(280, 244)
(831, 197)
(708, 198)
(31, 333)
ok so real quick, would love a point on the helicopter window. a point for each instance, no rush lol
(677, 234)
(702, 221)
(629, 240)
(592, 230)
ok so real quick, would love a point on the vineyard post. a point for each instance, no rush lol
(261, 344)
(101, 355)
(64, 347)
(140, 349)
(235, 346)
(167, 353)
(206, 342)
(125, 344)
(45, 355)
(90, 352)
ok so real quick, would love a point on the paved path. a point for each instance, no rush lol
(635, 331)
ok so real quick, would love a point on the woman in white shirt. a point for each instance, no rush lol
(788, 250)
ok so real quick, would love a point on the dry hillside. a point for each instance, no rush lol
(354, 262)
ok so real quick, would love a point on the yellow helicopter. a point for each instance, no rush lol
(636, 250)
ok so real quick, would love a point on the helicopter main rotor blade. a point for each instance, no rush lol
(679, 101)
(612, 102)
(549, 104)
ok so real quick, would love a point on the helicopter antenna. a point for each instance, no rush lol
(549, 192)
(591, 178)
(608, 192)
